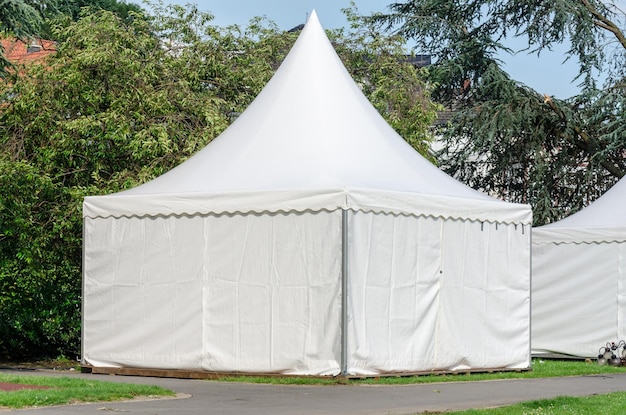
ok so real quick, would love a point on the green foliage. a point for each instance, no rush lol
(233, 63)
(73, 8)
(19, 18)
(111, 109)
(507, 139)
(25, 19)
(52, 10)
(465, 37)
(39, 261)
(525, 147)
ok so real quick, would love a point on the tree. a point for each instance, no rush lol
(233, 62)
(109, 110)
(18, 18)
(39, 264)
(72, 8)
(507, 139)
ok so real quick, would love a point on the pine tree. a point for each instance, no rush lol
(506, 138)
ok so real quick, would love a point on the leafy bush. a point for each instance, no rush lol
(39, 261)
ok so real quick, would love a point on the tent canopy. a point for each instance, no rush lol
(323, 147)
(604, 220)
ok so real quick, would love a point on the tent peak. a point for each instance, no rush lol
(312, 17)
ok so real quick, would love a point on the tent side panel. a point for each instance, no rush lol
(393, 292)
(435, 294)
(271, 296)
(621, 293)
(575, 293)
(485, 296)
(249, 293)
(142, 296)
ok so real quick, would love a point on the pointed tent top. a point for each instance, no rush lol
(311, 127)
(603, 221)
(605, 212)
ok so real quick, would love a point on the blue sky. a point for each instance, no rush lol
(545, 74)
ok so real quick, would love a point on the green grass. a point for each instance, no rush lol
(609, 404)
(65, 390)
(540, 369)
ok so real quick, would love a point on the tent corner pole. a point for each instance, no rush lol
(530, 291)
(82, 298)
(344, 292)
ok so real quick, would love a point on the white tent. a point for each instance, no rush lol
(308, 238)
(579, 279)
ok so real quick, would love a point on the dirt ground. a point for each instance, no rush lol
(39, 364)
(32, 365)
(10, 387)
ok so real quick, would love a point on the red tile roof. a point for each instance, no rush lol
(19, 52)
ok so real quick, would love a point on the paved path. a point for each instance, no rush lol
(199, 397)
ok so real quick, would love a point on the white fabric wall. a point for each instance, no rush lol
(262, 293)
(272, 294)
(256, 293)
(578, 296)
(143, 292)
(435, 294)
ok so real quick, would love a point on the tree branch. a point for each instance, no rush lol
(584, 142)
(603, 22)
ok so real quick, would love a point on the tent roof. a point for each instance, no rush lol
(604, 220)
(311, 129)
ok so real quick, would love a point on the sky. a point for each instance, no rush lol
(546, 74)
